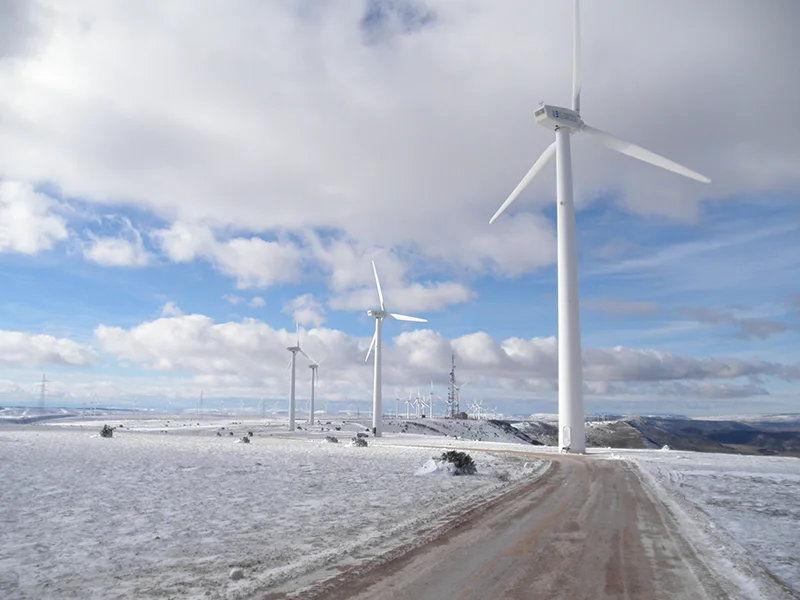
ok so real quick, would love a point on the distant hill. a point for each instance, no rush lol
(780, 437)
(777, 435)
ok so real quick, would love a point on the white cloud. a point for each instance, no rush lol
(170, 309)
(305, 310)
(21, 349)
(28, 223)
(253, 262)
(233, 299)
(289, 121)
(126, 250)
(257, 302)
(252, 355)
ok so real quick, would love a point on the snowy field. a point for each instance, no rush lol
(167, 509)
(738, 508)
(169, 505)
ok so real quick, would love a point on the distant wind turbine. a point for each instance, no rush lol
(566, 122)
(292, 362)
(379, 315)
(313, 366)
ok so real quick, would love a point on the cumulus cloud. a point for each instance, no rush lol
(305, 310)
(297, 120)
(28, 221)
(124, 250)
(170, 309)
(253, 262)
(21, 349)
(252, 355)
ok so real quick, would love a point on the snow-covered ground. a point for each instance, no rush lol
(168, 508)
(169, 505)
(739, 508)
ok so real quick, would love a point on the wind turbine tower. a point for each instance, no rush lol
(313, 366)
(43, 392)
(379, 315)
(567, 122)
(293, 363)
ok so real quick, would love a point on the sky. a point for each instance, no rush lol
(180, 182)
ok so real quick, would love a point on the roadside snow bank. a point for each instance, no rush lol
(741, 512)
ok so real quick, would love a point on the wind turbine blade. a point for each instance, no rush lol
(297, 330)
(537, 166)
(576, 60)
(307, 356)
(634, 151)
(407, 318)
(289, 364)
(371, 346)
(378, 283)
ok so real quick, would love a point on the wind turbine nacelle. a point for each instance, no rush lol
(557, 117)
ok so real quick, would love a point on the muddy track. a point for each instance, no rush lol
(586, 529)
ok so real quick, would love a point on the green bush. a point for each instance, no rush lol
(462, 461)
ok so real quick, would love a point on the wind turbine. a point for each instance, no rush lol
(313, 366)
(565, 122)
(294, 350)
(379, 315)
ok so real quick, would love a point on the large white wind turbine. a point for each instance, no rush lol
(379, 315)
(294, 350)
(565, 122)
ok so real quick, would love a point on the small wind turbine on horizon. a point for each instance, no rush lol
(379, 315)
(566, 122)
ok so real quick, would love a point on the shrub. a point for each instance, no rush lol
(245, 439)
(106, 431)
(331, 439)
(461, 460)
(359, 442)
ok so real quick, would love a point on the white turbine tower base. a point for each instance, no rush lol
(566, 122)
(379, 315)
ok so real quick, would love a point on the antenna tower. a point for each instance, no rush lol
(452, 394)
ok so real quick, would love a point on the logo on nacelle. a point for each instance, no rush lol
(565, 116)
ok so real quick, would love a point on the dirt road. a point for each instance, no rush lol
(587, 529)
